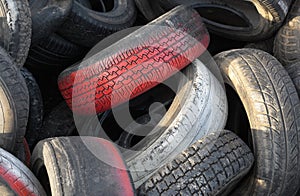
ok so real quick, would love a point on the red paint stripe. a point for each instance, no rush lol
(16, 186)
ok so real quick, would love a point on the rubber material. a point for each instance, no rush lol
(211, 166)
(14, 101)
(273, 111)
(59, 122)
(265, 45)
(23, 153)
(131, 66)
(16, 178)
(261, 17)
(287, 42)
(47, 16)
(35, 118)
(54, 52)
(15, 34)
(86, 27)
(74, 170)
(200, 107)
(294, 72)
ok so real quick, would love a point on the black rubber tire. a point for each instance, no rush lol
(265, 45)
(273, 112)
(54, 52)
(287, 42)
(75, 170)
(16, 178)
(47, 16)
(35, 118)
(87, 27)
(23, 153)
(294, 72)
(261, 18)
(211, 166)
(14, 100)
(149, 11)
(15, 34)
(59, 122)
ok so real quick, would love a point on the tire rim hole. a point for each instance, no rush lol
(138, 107)
(223, 15)
(43, 177)
(237, 117)
(101, 5)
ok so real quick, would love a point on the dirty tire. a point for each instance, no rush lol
(59, 122)
(35, 118)
(260, 18)
(47, 16)
(211, 166)
(200, 107)
(90, 175)
(15, 34)
(287, 42)
(54, 52)
(86, 27)
(15, 104)
(16, 178)
(273, 111)
(132, 66)
(294, 72)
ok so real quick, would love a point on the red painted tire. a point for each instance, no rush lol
(136, 63)
(16, 178)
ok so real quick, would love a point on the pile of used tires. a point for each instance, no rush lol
(140, 97)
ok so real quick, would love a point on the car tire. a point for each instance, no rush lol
(16, 178)
(15, 35)
(200, 107)
(54, 53)
(47, 16)
(86, 27)
(54, 159)
(287, 42)
(14, 98)
(294, 72)
(257, 81)
(35, 118)
(213, 165)
(124, 72)
(240, 20)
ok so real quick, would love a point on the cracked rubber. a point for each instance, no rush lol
(199, 108)
(294, 72)
(35, 118)
(86, 27)
(287, 42)
(14, 99)
(263, 17)
(133, 65)
(75, 170)
(211, 166)
(47, 16)
(15, 34)
(273, 111)
(16, 178)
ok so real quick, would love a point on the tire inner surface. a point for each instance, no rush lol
(237, 117)
(42, 176)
